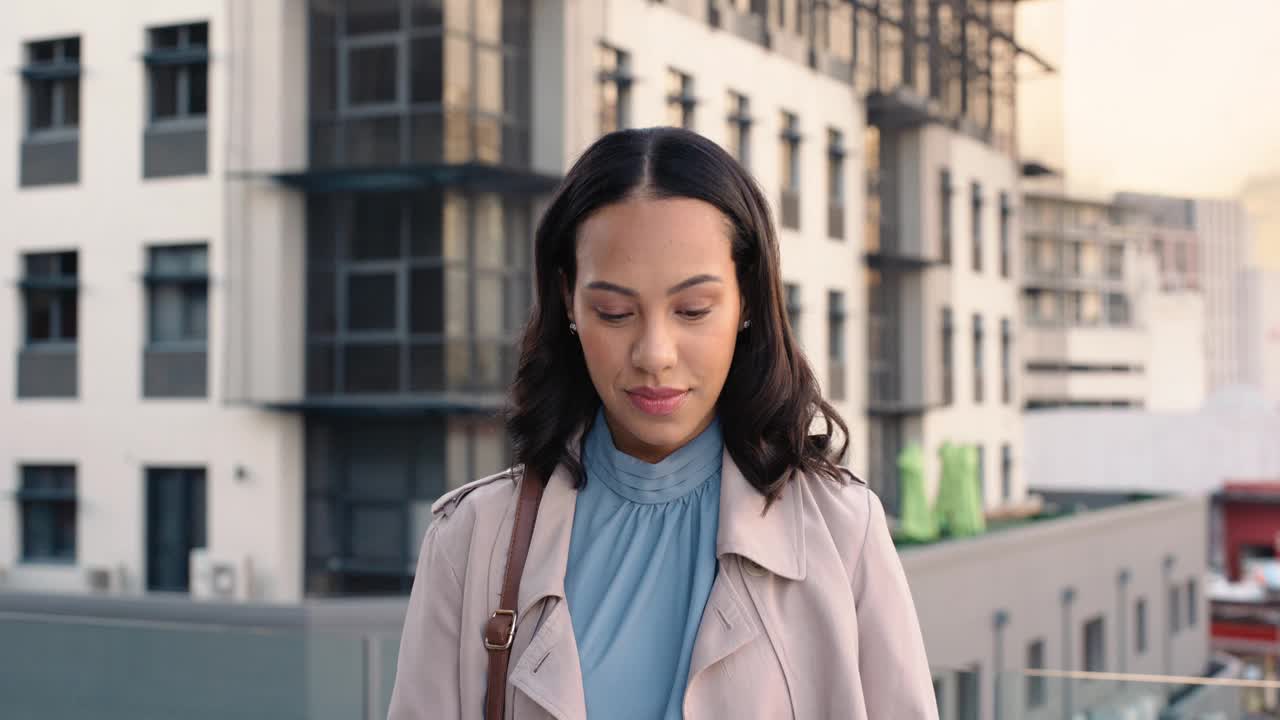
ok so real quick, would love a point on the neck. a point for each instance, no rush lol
(633, 446)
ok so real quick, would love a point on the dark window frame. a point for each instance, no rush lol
(946, 192)
(795, 308)
(1094, 645)
(59, 77)
(1006, 361)
(621, 79)
(63, 286)
(739, 121)
(190, 284)
(979, 371)
(837, 350)
(790, 142)
(948, 357)
(1037, 687)
(56, 502)
(975, 208)
(835, 184)
(1006, 472)
(1006, 242)
(682, 98)
(186, 58)
(1193, 610)
(1140, 626)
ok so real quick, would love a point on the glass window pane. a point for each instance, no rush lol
(322, 317)
(426, 61)
(198, 86)
(457, 71)
(198, 35)
(457, 136)
(373, 141)
(488, 80)
(490, 240)
(490, 320)
(371, 75)
(371, 301)
(426, 300)
(375, 227)
(196, 312)
(39, 315)
(320, 359)
(41, 111)
(516, 82)
(42, 51)
(371, 368)
(488, 138)
(377, 466)
(489, 21)
(377, 533)
(457, 302)
(70, 314)
(426, 13)
(372, 16)
(71, 102)
(166, 313)
(164, 91)
(165, 38)
(426, 367)
(426, 223)
(427, 142)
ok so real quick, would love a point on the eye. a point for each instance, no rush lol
(694, 314)
(612, 317)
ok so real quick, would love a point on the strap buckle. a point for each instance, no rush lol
(493, 625)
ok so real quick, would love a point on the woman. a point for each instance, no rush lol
(696, 551)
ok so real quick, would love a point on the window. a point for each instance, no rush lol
(1117, 309)
(789, 169)
(398, 82)
(414, 293)
(178, 65)
(739, 126)
(175, 142)
(50, 152)
(680, 100)
(48, 508)
(835, 343)
(1006, 361)
(175, 363)
(794, 308)
(1115, 261)
(1095, 647)
(1192, 603)
(1140, 626)
(835, 184)
(178, 295)
(50, 290)
(53, 86)
(968, 694)
(977, 227)
(1005, 242)
(982, 473)
(1006, 472)
(948, 357)
(1037, 694)
(614, 102)
(944, 193)
(978, 385)
(1175, 609)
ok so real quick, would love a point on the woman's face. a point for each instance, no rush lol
(658, 311)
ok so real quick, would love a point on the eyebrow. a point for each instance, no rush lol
(682, 285)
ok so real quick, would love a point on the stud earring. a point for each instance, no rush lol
(573, 328)
(746, 324)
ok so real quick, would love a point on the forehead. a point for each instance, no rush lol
(655, 237)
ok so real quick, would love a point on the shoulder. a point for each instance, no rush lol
(849, 512)
(494, 491)
(472, 510)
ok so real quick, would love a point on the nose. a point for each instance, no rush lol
(655, 350)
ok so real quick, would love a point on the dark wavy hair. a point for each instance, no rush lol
(770, 398)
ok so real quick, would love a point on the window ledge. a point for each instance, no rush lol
(52, 347)
(51, 136)
(177, 125)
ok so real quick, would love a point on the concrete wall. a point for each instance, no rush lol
(1176, 366)
(958, 587)
(110, 433)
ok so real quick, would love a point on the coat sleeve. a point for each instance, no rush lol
(427, 685)
(895, 672)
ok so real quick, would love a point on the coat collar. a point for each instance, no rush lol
(773, 540)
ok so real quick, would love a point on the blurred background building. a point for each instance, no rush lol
(268, 260)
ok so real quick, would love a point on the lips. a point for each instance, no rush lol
(657, 400)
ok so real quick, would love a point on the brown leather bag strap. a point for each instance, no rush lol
(500, 630)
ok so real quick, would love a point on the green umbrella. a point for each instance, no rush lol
(917, 521)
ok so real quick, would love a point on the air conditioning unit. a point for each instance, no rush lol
(220, 577)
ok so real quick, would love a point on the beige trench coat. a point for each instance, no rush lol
(809, 615)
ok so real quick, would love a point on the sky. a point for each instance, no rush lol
(1167, 96)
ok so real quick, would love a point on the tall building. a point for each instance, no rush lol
(271, 257)
(942, 218)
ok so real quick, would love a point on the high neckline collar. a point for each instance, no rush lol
(669, 479)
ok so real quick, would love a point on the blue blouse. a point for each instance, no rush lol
(642, 558)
